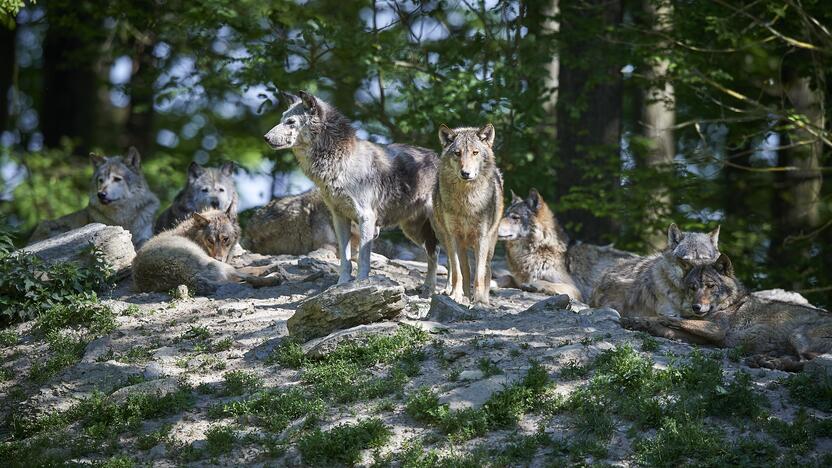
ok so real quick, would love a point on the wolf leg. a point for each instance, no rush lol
(784, 363)
(455, 270)
(432, 250)
(342, 234)
(367, 231)
(464, 268)
(481, 278)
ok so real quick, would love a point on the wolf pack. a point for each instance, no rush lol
(450, 200)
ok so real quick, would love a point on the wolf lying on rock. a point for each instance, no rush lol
(778, 335)
(194, 254)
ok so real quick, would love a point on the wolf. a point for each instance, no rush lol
(375, 186)
(206, 187)
(536, 247)
(194, 253)
(720, 311)
(292, 225)
(118, 196)
(467, 204)
(652, 285)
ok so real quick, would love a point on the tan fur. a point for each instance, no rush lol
(134, 211)
(194, 254)
(467, 212)
(779, 335)
(292, 225)
(652, 285)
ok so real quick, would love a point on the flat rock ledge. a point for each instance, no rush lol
(114, 243)
(347, 305)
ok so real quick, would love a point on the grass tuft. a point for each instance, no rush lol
(343, 443)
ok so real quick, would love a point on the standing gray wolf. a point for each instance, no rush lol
(292, 225)
(652, 285)
(373, 185)
(467, 203)
(194, 254)
(777, 334)
(119, 196)
(206, 188)
(536, 247)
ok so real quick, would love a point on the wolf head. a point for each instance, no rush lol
(520, 220)
(467, 150)
(690, 249)
(709, 288)
(211, 187)
(115, 179)
(217, 232)
(306, 118)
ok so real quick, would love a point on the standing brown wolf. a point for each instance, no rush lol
(467, 203)
(778, 335)
(652, 285)
(372, 185)
(206, 188)
(194, 254)
(119, 196)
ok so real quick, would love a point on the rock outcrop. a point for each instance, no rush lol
(113, 242)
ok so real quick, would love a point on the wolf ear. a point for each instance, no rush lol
(674, 235)
(228, 168)
(486, 134)
(97, 159)
(534, 200)
(724, 266)
(714, 235)
(446, 135)
(195, 171)
(310, 102)
(515, 198)
(231, 212)
(133, 157)
(200, 220)
(288, 99)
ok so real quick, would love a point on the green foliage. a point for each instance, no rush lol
(288, 354)
(64, 351)
(239, 382)
(343, 443)
(273, 409)
(220, 439)
(810, 390)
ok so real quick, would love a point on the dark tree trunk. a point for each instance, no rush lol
(589, 108)
(139, 125)
(7, 58)
(69, 80)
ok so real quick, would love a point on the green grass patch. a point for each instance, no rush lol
(9, 338)
(810, 390)
(64, 351)
(343, 444)
(219, 440)
(272, 410)
(152, 439)
(136, 355)
(239, 382)
(573, 370)
(288, 354)
(78, 310)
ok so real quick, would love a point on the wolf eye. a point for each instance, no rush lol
(205, 189)
(222, 189)
(100, 180)
(693, 287)
(475, 152)
(116, 179)
(458, 152)
(710, 285)
(514, 217)
(290, 121)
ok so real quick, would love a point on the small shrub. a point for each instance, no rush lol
(273, 409)
(288, 354)
(424, 406)
(239, 382)
(343, 444)
(64, 351)
(810, 390)
(219, 440)
(9, 338)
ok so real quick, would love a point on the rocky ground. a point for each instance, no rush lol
(529, 380)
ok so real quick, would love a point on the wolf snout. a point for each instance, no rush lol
(102, 196)
(700, 308)
(215, 204)
(465, 175)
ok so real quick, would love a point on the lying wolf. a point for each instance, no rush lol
(372, 185)
(119, 196)
(206, 188)
(536, 248)
(652, 285)
(467, 202)
(292, 225)
(194, 253)
(720, 312)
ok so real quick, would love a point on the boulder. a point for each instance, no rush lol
(554, 303)
(443, 309)
(160, 388)
(346, 305)
(114, 243)
(320, 347)
(820, 367)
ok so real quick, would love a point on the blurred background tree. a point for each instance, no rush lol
(625, 114)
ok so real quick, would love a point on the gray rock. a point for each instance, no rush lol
(444, 309)
(550, 304)
(113, 242)
(471, 375)
(181, 292)
(346, 305)
(160, 388)
(782, 295)
(97, 349)
(157, 452)
(602, 316)
(820, 367)
(476, 394)
(153, 371)
(361, 334)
